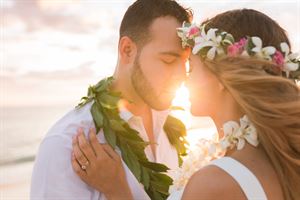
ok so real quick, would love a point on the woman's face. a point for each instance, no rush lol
(206, 90)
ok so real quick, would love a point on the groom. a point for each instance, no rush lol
(151, 65)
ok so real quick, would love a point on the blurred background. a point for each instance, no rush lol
(51, 50)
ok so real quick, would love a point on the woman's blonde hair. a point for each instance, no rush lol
(271, 102)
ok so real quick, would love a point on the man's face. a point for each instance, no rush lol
(159, 67)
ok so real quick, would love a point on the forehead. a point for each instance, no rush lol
(164, 35)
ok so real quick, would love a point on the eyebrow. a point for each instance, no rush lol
(171, 53)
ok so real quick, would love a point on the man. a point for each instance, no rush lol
(151, 65)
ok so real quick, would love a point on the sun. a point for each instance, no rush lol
(197, 127)
(182, 97)
(182, 100)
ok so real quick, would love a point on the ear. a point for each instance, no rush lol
(127, 50)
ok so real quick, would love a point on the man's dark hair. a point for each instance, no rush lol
(140, 15)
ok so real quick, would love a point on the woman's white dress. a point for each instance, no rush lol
(241, 174)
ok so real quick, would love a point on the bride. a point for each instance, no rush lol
(242, 76)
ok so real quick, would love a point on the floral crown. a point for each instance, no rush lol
(212, 43)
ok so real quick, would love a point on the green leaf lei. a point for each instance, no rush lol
(118, 133)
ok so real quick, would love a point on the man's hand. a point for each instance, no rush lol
(99, 166)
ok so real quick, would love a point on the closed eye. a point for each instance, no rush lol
(168, 61)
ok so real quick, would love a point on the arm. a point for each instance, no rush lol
(99, 166)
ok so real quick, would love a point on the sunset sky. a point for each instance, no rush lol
(52, 50)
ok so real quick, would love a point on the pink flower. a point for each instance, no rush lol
(233, 50)
(236, 48)
(193, 31)
(278, 58)
(242, 43)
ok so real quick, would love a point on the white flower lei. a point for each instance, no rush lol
(208, 150)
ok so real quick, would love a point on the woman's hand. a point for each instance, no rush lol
(99, 166)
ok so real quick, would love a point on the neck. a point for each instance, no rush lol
(130, 99)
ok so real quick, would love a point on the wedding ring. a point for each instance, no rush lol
(83, 167)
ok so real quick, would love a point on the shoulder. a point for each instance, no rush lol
(67, 125)
(212, 182)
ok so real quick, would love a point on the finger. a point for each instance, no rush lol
(79, 156)
(96, 145)
(77, 168)
(85, 146)
(112, 153)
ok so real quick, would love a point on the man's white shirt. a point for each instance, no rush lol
(53, 176)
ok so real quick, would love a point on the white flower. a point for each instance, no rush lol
(288, 57)
(265, 52)
(209, 39)
(237, 134)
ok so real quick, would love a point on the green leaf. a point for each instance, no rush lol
(163, 178)
(157, 196)
(117, 126)
(131, 134)
(155, 166)
(108, 106)
(91, 91)
(110, 136)
(83, 101)
(145, 178)
(160, 187)
(131, 161)
(109, 99)
(176, 132)
(103, 85)
(97, 116)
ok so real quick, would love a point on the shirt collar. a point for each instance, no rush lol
(159, 117)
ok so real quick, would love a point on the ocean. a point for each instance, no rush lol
(23, 128)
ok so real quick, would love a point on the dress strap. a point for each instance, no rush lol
(243, 176)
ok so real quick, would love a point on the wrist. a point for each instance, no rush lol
(120, 195)
(120, 192)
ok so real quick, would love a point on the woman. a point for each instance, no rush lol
(231, 79)
(230, 87)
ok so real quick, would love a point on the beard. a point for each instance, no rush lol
(144, 89)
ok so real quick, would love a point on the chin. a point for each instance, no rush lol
(161, 105)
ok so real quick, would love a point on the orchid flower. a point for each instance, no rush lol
(288, 58)
(265, 52)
